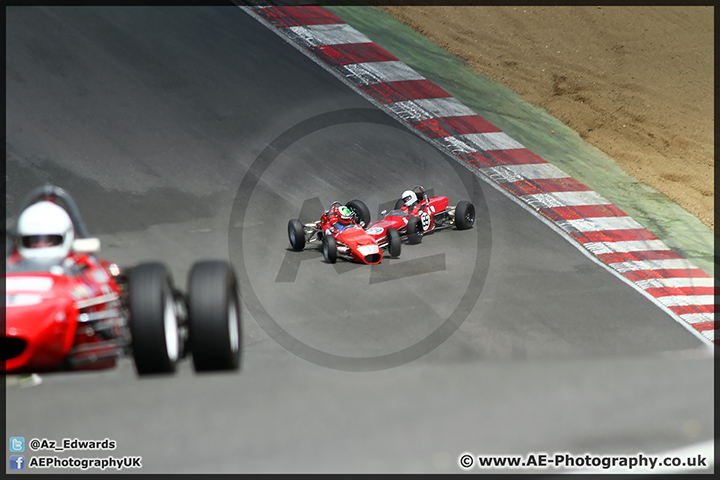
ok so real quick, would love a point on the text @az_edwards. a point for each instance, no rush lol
(65, 444)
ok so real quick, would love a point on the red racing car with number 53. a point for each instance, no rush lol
(415, 214)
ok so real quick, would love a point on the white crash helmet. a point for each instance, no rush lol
(45, 232)
(408, 197)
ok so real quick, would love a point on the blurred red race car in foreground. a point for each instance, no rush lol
(340, 229)
(68, 309)
(416, 214)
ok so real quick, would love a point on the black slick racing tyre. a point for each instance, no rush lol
(296, 234)
(153, 319)
(414, 230)
(464, 215)
(361, 213)
(330, 248)
(215, 326)
(394, 243)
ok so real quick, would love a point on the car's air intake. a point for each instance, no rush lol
(372, 258)
(12, 347)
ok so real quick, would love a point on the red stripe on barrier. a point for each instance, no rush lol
(409, 90)
(464, 124)
(678, 291)
(453, 126)
(566, 184)
(276, 17)
(358, 52)
(639, 256)
(478, 159)
(686, 309)
(392, 92)
(310, 15)
(583, 211)
(704, 326)
(516, 156)
(383, 93)
(623, 235)
(432, 127)
(638, 275)
(524, 187)
(546, 185)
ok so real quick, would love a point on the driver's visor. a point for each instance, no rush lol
(41, 241)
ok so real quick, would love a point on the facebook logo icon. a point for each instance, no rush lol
(17, 462)
(17, 444)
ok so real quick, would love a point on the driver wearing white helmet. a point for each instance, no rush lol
(45, 233)
(409, 199)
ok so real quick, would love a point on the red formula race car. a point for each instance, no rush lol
(340, 230)
(68, 309)
(416, 214)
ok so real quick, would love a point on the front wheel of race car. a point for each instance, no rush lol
(296, 234)
(361, 213)
(330, 248)
(214, 316)
(414, 230)
(394, 243)
(153, 319)
(464, 215)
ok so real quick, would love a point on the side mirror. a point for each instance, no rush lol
(384, 212)
(86, 245)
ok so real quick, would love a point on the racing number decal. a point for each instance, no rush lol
(425, 220)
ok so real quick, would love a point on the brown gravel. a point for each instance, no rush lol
(636, 82)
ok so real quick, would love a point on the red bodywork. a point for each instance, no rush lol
(353, 240)
(49, 316)
(427, 210)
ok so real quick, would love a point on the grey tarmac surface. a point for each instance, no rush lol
(186, 133)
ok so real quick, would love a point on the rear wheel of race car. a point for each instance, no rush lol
(214, 316)
(464, 215)
(361, 213)
(414, 230)
(153, 319)
(394, 243)
(296, 234)
(329, 248)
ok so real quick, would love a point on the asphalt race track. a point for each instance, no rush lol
(186, 133)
